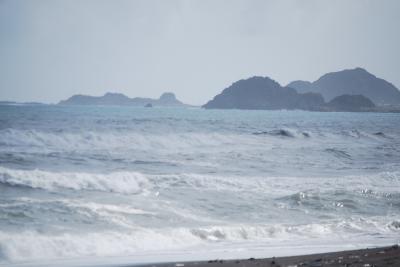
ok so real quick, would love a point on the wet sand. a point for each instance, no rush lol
(372, 257)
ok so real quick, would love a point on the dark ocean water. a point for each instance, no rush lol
(119, 181)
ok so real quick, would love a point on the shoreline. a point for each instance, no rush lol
(369, 257)
(382, 256)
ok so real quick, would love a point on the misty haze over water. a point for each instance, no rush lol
(198, 130)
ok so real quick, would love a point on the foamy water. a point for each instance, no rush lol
(159, 184)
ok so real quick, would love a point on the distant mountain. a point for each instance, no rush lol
(350, 103)
(300, 86)
(117, 99)
(263, 93)
(356, 81)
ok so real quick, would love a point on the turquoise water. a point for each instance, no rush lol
(117, 181)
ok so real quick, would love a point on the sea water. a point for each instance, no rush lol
(147, 183)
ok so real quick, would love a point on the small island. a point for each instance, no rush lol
(118, 99)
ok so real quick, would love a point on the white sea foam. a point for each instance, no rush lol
(120, 182)
(31, 245)
(135, 182)
(108, 208)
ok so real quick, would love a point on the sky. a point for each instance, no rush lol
(52, 49)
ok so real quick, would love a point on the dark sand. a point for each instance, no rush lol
(373, 257)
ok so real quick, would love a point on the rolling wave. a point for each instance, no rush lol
(30, 245)
(129, 182)
(284, 133)
(113, 140)
(119, 182)
(338, 153)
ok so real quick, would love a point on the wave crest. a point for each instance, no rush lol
(119, 182)
(32, 245)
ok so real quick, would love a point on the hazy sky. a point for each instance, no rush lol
(50, 50)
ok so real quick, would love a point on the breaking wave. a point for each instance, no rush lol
(284, 133)
(127, 182)
(113, 139)
(31, 245)
(120, 182)
(338, 153)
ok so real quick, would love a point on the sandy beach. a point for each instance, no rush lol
(371, 257)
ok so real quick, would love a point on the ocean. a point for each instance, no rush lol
(151, 184)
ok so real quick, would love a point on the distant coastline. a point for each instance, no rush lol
(353, 90)
(118, 99)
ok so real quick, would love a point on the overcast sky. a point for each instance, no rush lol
(52, 49)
